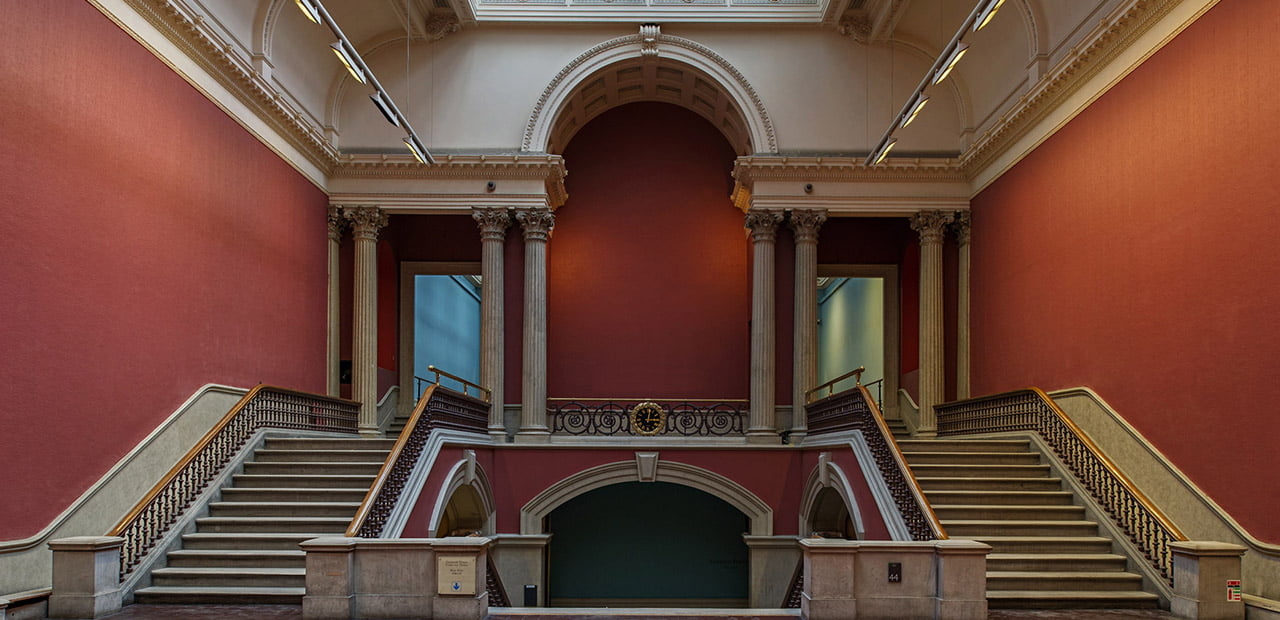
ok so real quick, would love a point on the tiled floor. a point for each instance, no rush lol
(225, 612)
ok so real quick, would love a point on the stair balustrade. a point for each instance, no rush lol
(263, 407)
(854, 410)
(1032, 410)
(617, 416)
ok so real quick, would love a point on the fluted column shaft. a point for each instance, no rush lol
(931, 225)
(493, 235)
(804, 368)
(764, 228)
(333, 344)
(365, 224)
(537, 225)
(961, 227)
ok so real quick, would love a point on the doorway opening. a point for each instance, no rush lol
(858, 327)
(439, 326)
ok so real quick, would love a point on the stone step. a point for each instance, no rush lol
(321, 443)
(622, 613)
(283, 509)
(972, 458)
(964, 445)
(1061, 599)
(1062, 580)
(230, 577)
(1044, 544)
(264, 455)
(248, 541)
(219, 595)
(277, 468)
(980, 471)
(999, 498)
(361, 481)
(297, 494)
(1059, 562)
(969, 512)
(930, 483)
(957, 528)
(268, 525)
(245, 558)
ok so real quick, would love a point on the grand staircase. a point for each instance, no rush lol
(1045, 553)
(246, 549)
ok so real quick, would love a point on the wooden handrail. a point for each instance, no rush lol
(663, 400)
(487, 395)
(830, 386)
(923, 501)
(362, 513)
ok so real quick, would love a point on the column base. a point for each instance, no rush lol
(498, 434)
(533, 435)
(373, 433)
(764, 437)
(797, 436)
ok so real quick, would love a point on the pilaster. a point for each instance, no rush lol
(931, 226)
(763, 224)
(365, 224)
(961, 228)
(333, 381)
(804, 370)
(493, 225)
(537, 225)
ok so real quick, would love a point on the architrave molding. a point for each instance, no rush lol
(846, 186)
(399, 184)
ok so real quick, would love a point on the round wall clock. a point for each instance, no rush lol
(648, 418)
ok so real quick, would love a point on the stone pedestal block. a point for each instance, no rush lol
(1206, 580)
(464, 605)
(86, 576)
(519, 559)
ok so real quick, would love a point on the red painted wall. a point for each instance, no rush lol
(646, 287)
(135, 265)
(1134, 252)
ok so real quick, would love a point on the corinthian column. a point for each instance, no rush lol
(804, 370)
(537, 225)
(764, 229)
(930, 225)
(333, 382)
(365, 224)
(961, 227)
(493, 234)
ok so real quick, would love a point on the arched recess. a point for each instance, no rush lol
(828, 483)
(533, 515)
(465, 499)
(659, 68)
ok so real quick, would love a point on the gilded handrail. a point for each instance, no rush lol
(901, 460)
(193, 476)
(366, 505)
(830, 386)
(949, 424)
(486, 394)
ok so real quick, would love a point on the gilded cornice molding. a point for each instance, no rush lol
(750, 169)
(550, 169)
(217, 57)
(1110, 38)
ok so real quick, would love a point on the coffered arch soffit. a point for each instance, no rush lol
(659, 68)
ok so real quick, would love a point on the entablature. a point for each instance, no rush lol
(456, 183)
(846, 186)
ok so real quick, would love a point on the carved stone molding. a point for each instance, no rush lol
(960, 226)
(806, 222)
(493, 223)
(763, 224)
(336, 222)
(439, 26)
(748, 170)
(365, 221)
(549, 168)
(649, 40)
(537, 223)
(931, 225)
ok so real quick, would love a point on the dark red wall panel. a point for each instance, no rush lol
(646, 289)
(1134, 252)
(152, 246)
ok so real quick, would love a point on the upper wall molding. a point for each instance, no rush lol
(454, 182)
(757, 168)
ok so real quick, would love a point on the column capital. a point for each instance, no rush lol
(961, 226)
(493, 223)
(806, 222)
(931, 225)
(537, 223)
(335, 223)
(365, 221)
(763, 224)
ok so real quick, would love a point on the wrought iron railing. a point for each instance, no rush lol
(795, 591)
(616, 416)
(263, 407)
(493, 583)
(1032, 410)
(438, 407)
(853, 409)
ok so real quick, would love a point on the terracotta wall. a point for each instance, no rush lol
(151, 245)
(647, 282)
(1134, 252)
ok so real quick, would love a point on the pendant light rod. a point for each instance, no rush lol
(984, 8)
(315, 7)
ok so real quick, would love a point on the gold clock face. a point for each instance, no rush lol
(648, 418)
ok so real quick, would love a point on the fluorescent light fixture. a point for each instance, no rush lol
(884, 151)
(956, 55)
(348, 60)
(985, 17)
(310, 10)
(419, 151)
(913, 110)
(385, 107)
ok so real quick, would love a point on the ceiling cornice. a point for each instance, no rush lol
(549, 169)
(755, 168)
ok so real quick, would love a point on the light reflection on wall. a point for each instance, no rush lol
(446, 334)
(850, 328)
